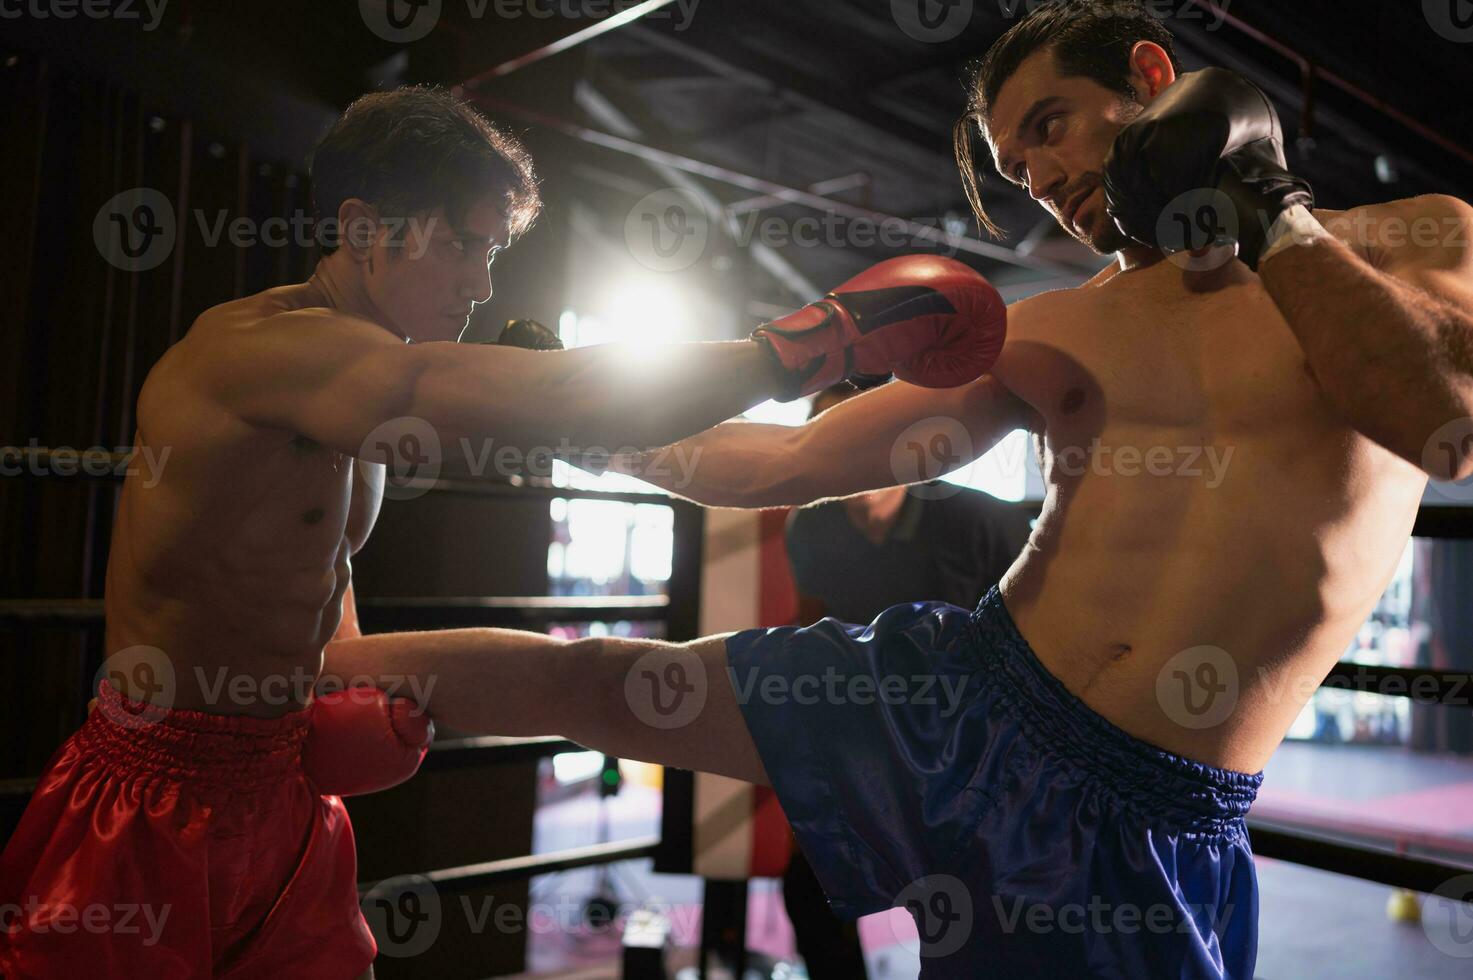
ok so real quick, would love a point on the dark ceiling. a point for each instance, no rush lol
(848, 96)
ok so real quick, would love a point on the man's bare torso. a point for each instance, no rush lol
(234, 565)
(1201, 493)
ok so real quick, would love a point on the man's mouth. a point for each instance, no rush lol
(1071, 211)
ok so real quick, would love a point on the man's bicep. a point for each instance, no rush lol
(332, 379)
(901, 433)
(1428, 243)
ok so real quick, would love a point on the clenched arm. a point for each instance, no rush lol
(895, 434)
(339, 381)
(1387, 323)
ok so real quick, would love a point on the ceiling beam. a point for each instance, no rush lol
(786, 194)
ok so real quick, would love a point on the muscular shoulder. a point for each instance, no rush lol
(1032, 322)
(1032, 315)
(1432, 229)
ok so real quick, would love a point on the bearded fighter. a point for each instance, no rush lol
(1236, 421)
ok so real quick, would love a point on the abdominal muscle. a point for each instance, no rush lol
(1265, 578)
(224, 632)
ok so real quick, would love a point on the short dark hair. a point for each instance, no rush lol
(416, 148)
(1089, 38)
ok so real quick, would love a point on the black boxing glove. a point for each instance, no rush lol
(530, 335)
(1204, 165)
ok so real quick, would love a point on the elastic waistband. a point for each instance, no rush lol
(1167, 789)
(132, 738)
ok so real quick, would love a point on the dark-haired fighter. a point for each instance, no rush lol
(194, 802)
(1054, 783)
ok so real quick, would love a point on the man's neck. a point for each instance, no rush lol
(346, 294)
(1137, 256)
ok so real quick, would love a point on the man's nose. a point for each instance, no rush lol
(1045, 179)
(476, 286)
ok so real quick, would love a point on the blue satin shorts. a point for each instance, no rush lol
(929, 761)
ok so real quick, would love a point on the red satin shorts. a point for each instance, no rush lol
(181, 844)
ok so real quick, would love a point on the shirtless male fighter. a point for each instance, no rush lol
(1055, 782)
(202, 793)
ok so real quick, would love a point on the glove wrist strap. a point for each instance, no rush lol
(1296, 226)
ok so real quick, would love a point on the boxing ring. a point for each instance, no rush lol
(1362, 851)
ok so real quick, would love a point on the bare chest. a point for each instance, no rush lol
(1143, 353)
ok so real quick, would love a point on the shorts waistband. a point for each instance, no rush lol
(132, 738)
(1168, 789)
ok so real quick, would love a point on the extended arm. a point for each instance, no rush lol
(895, 434)
(1387, 322)
(338, 380)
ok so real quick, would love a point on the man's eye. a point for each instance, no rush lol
(1048, 127)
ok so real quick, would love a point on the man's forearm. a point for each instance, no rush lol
(735, 464)
(646, 397)
(1393, 359)
(605, 398)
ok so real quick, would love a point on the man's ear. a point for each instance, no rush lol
(1150, 71)
(358, 228)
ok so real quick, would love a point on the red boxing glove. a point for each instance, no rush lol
(931, 321)
(362, 741)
